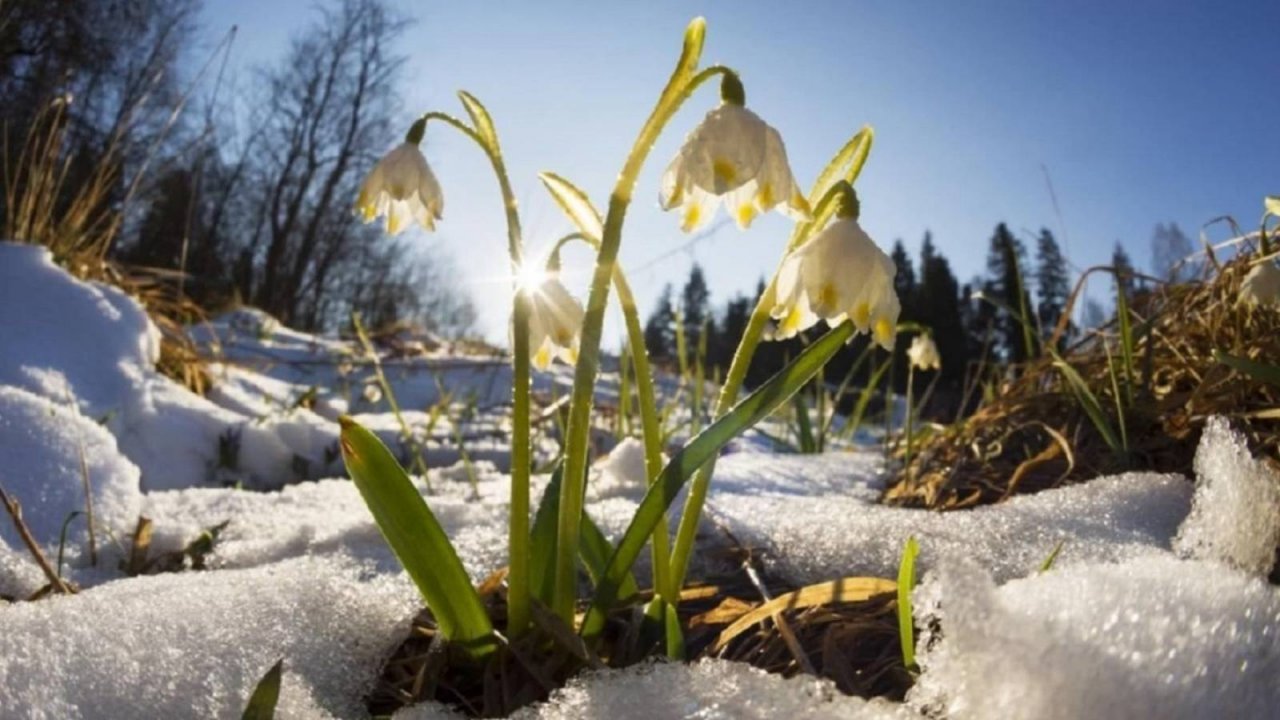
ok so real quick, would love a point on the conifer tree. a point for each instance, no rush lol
(1053, 283)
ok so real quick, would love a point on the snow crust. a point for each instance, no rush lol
(1236, 516)
(195, 645)
(1155, 637)
(1156, 606)
(708, 690)
(40, 445)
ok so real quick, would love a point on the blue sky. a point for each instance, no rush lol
(1142, 112)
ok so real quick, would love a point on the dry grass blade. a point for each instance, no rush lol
(1007, 445)
(846, 590)
(15, 513)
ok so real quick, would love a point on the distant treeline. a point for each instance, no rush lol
(975, 325)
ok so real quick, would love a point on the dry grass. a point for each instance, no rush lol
(53, 201)
(855, 644)
(1034, 434)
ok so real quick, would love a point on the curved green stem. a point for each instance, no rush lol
(678, 89)
(651, 428)
(518, 588)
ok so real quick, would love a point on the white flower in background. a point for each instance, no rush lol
(923, 354)
(402, 188)
(840, 273)
(555, 322)
(372, 393)
(736, 157)
(1262, 285)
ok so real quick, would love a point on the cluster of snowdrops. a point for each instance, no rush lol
(831, 271)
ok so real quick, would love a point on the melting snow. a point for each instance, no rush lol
(1123, 626)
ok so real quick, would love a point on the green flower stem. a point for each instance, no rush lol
(678, 88)
(518, 587)
(911, 376)
(831, 199)
(651, 428)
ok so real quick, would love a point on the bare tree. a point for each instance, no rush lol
(325, 120)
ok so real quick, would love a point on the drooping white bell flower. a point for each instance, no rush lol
(735, 157)
(555, 322)
(923, 354)
(402, 188)
(840, 273)
(1262, 285)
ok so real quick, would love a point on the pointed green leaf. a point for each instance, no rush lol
(480, 119)
(262, 703)
(1047, 565)
(1089, 402)
(907, 583)
(1259, 371)
(764, 400)
(417, 539)
(594, 549)
(575, 203)
(847, 163)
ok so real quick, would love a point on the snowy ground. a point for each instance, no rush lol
(1157, 606)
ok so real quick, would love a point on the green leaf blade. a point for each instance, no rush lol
(697, 452)
(906, 617)
(417, 539)
(575, 203)
(262, 703)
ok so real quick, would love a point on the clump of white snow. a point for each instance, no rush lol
(622, 472)
(19, 576)
(196, 644)
(817, 520)
(1151, 638)
(325, 518)
(41, 445)
(1235, 514)
(708, 690)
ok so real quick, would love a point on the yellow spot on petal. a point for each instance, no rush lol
(542, 358)
(724, 172)
(884, 332)
(791, 323)
(368, 212)
(862, 314)
(827, 299)
(394, 222)
(570, 355)
(764, 198)
(746, 214)
(692, 214)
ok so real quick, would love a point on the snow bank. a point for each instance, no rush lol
(1155, 637)
(40, 447)
(61, 338)
(196, 644)
(709, 690)
(329, 517)
(19, 576)
(1235, 516)
(817, 520)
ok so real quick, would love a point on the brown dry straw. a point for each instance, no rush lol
(1034, 433)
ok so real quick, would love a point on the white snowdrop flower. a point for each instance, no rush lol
(402, 188)
(555, 322)
(735, 157)
(1262, 285)
(372, 393)
(840, 273)
(346, 367)
(923, 354)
